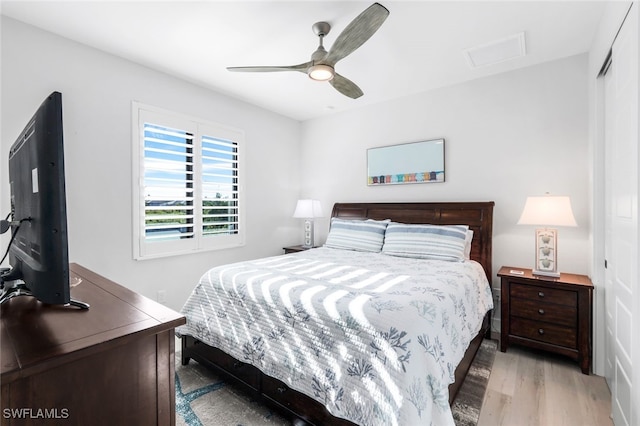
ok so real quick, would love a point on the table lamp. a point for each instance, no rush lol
(547, 211)
(308, 210)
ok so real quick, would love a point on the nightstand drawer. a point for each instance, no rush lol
(539, 310)
(551, 295)
(544, 332)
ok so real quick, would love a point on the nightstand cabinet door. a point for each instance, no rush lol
(553, 314)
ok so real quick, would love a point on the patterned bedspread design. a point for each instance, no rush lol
(375, 338)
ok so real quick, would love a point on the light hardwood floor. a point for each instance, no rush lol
(531, 388)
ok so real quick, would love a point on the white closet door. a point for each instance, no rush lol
(621, 228)
(608, 252)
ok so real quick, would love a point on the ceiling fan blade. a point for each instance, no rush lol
(346, 86)
(300, 67)
(357, 32)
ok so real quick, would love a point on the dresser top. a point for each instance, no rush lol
(575, 279)
(33, 333)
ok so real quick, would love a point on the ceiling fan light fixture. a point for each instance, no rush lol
(321, 72)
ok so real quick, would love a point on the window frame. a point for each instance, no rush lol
(199, 128)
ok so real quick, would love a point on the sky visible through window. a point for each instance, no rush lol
(171, 184)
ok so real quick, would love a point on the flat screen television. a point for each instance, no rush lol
(38, 248)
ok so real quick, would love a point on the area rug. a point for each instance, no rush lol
(466, 407)
(203, 399)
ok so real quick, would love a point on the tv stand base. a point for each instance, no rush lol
(18, 288)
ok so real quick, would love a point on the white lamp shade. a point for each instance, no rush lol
(548, 211)
(308, 209)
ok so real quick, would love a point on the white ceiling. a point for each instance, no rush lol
(418, 48)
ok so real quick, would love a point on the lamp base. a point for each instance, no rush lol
(546, 273)
(308, 234)
(546, 253)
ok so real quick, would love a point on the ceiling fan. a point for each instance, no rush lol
(321, 67)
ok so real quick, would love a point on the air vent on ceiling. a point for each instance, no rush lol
(510, 47)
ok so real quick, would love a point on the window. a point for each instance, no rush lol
(187, 184)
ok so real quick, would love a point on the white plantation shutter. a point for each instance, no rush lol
(187, 184)
(168, 183)
(220, 194)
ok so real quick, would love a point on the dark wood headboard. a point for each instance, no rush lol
(478, 215)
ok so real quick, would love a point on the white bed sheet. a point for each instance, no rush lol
(375, 338)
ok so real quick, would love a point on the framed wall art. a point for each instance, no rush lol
(414, 162)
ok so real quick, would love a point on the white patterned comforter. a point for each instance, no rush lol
(375, 338)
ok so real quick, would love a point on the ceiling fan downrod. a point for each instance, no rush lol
(319, 71)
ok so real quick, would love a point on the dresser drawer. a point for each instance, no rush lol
(283, 395)
(544, 332)
(551, 295)
(246, 373)
(541, 310)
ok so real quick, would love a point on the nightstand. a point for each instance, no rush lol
(553, 314)
(295, 249)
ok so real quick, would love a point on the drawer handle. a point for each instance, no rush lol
(541, 311)
(281, 389)
(540, 331)
(540, 294)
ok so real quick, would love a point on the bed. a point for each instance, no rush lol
(338, 336)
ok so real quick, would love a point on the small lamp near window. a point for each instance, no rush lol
(308, 210)
(547, 211)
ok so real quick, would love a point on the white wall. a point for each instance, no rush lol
(97, 91)
(507, 137)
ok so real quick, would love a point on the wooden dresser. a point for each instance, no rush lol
(552, 314)
(112, 364)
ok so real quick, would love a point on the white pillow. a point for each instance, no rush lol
(443, 242)
(467, 244)
(358, 235)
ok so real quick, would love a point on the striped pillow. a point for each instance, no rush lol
(443, 242)
(358, 235)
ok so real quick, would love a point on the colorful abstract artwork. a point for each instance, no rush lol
(415, 162)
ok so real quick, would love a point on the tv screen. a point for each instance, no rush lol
(38, 252)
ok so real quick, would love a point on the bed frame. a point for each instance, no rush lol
(303, 409)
